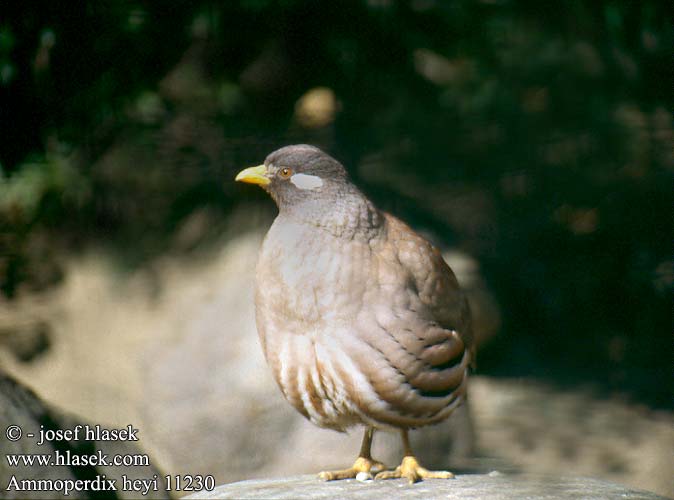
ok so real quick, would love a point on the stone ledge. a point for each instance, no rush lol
(495, 486)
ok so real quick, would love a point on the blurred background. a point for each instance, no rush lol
(534, 145)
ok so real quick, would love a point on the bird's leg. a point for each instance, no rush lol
(410, 467)
(364, 462)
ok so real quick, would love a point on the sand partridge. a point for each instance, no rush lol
(359, 317)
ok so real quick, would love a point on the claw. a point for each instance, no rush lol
(361, 464)
(413, 472)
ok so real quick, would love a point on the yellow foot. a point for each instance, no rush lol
(366, 465)
(414, 472)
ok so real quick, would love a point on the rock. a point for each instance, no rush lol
(26, 340)
(464, 487)
(22, 411)
(539, 428)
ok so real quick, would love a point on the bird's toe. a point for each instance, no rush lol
(413, 472)
(362, 464)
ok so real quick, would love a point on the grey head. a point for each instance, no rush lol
(311, 187)
(300, 174)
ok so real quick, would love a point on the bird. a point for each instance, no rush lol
(359, 317)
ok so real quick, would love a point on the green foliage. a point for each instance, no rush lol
(6, 44)
(22, 194)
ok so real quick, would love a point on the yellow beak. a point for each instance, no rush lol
(254, 175)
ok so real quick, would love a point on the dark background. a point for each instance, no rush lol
(537, 139)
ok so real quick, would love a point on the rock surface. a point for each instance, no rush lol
(495, 486)
(21, 408)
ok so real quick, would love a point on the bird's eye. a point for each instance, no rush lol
(285, 172)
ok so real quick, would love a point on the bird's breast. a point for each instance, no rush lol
(310, 278)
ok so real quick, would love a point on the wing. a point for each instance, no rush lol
(438, 290)
(417, 329)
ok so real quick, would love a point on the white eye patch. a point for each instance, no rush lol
(305, 181)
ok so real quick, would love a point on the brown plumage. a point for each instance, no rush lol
(360, 318)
